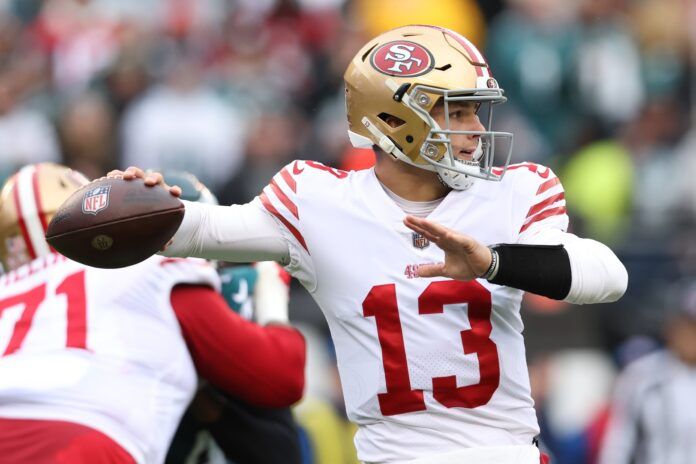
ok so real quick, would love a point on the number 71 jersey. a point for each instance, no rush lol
(427, 365)
(99, 347)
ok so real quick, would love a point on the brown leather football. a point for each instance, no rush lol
(111, 223)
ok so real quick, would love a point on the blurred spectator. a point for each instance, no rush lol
(26, 136)
(126, 78)
(265, 54)
(274, 139)
(627, 184)
(661, 29)
(652, 139)
(609, 81)
(183, 125)
(81, 39)
(87, 131)
(532, 47)
(653, 417)
(571, 390)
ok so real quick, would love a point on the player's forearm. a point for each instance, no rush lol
(237, 233)
(596, 274)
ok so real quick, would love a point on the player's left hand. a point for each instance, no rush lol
(465, 257)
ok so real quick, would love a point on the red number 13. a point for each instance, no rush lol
(400, 398)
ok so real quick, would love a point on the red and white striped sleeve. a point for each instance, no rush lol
(291, 198)
(598, 276)
(279, 198)
(545, 205)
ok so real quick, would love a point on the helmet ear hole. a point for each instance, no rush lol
(409, 138)
(391, 120)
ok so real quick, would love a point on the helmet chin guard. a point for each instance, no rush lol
(452, 176)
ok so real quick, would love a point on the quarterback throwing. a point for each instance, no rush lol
(420, 263)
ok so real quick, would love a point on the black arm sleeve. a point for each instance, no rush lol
(541, 269)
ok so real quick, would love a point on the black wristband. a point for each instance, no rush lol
(541, 269)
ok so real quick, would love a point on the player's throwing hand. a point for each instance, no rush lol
(151, 178)
(465, 257)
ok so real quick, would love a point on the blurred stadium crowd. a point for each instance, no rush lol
(602, 91)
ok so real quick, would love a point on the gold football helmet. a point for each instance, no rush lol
(28, 201)
(402, 74)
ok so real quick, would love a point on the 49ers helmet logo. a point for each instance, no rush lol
(402, 59)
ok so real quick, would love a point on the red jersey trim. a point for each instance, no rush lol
(544, 203)
(292, 207)
(543, 215)
(271, 209)
(548, 184)
(533, 167)
(285, 174)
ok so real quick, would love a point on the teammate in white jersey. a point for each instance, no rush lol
(433, 369)
(97, 366)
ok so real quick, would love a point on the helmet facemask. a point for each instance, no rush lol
(437, 151)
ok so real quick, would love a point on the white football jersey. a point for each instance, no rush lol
(427, 364)
(99, 347)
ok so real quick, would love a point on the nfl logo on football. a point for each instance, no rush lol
(419, 241)
(95, 200)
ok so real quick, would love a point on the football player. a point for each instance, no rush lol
(433, 369)
(216, 423)
(98, 366)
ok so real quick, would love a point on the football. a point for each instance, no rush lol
(112, 223)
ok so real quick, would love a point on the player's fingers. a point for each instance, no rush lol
(175, 190)
(431, 270)
(432, 227)
(417, 225)
(133, 172)
(115, 174)
(154, 178)
(425, 233)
